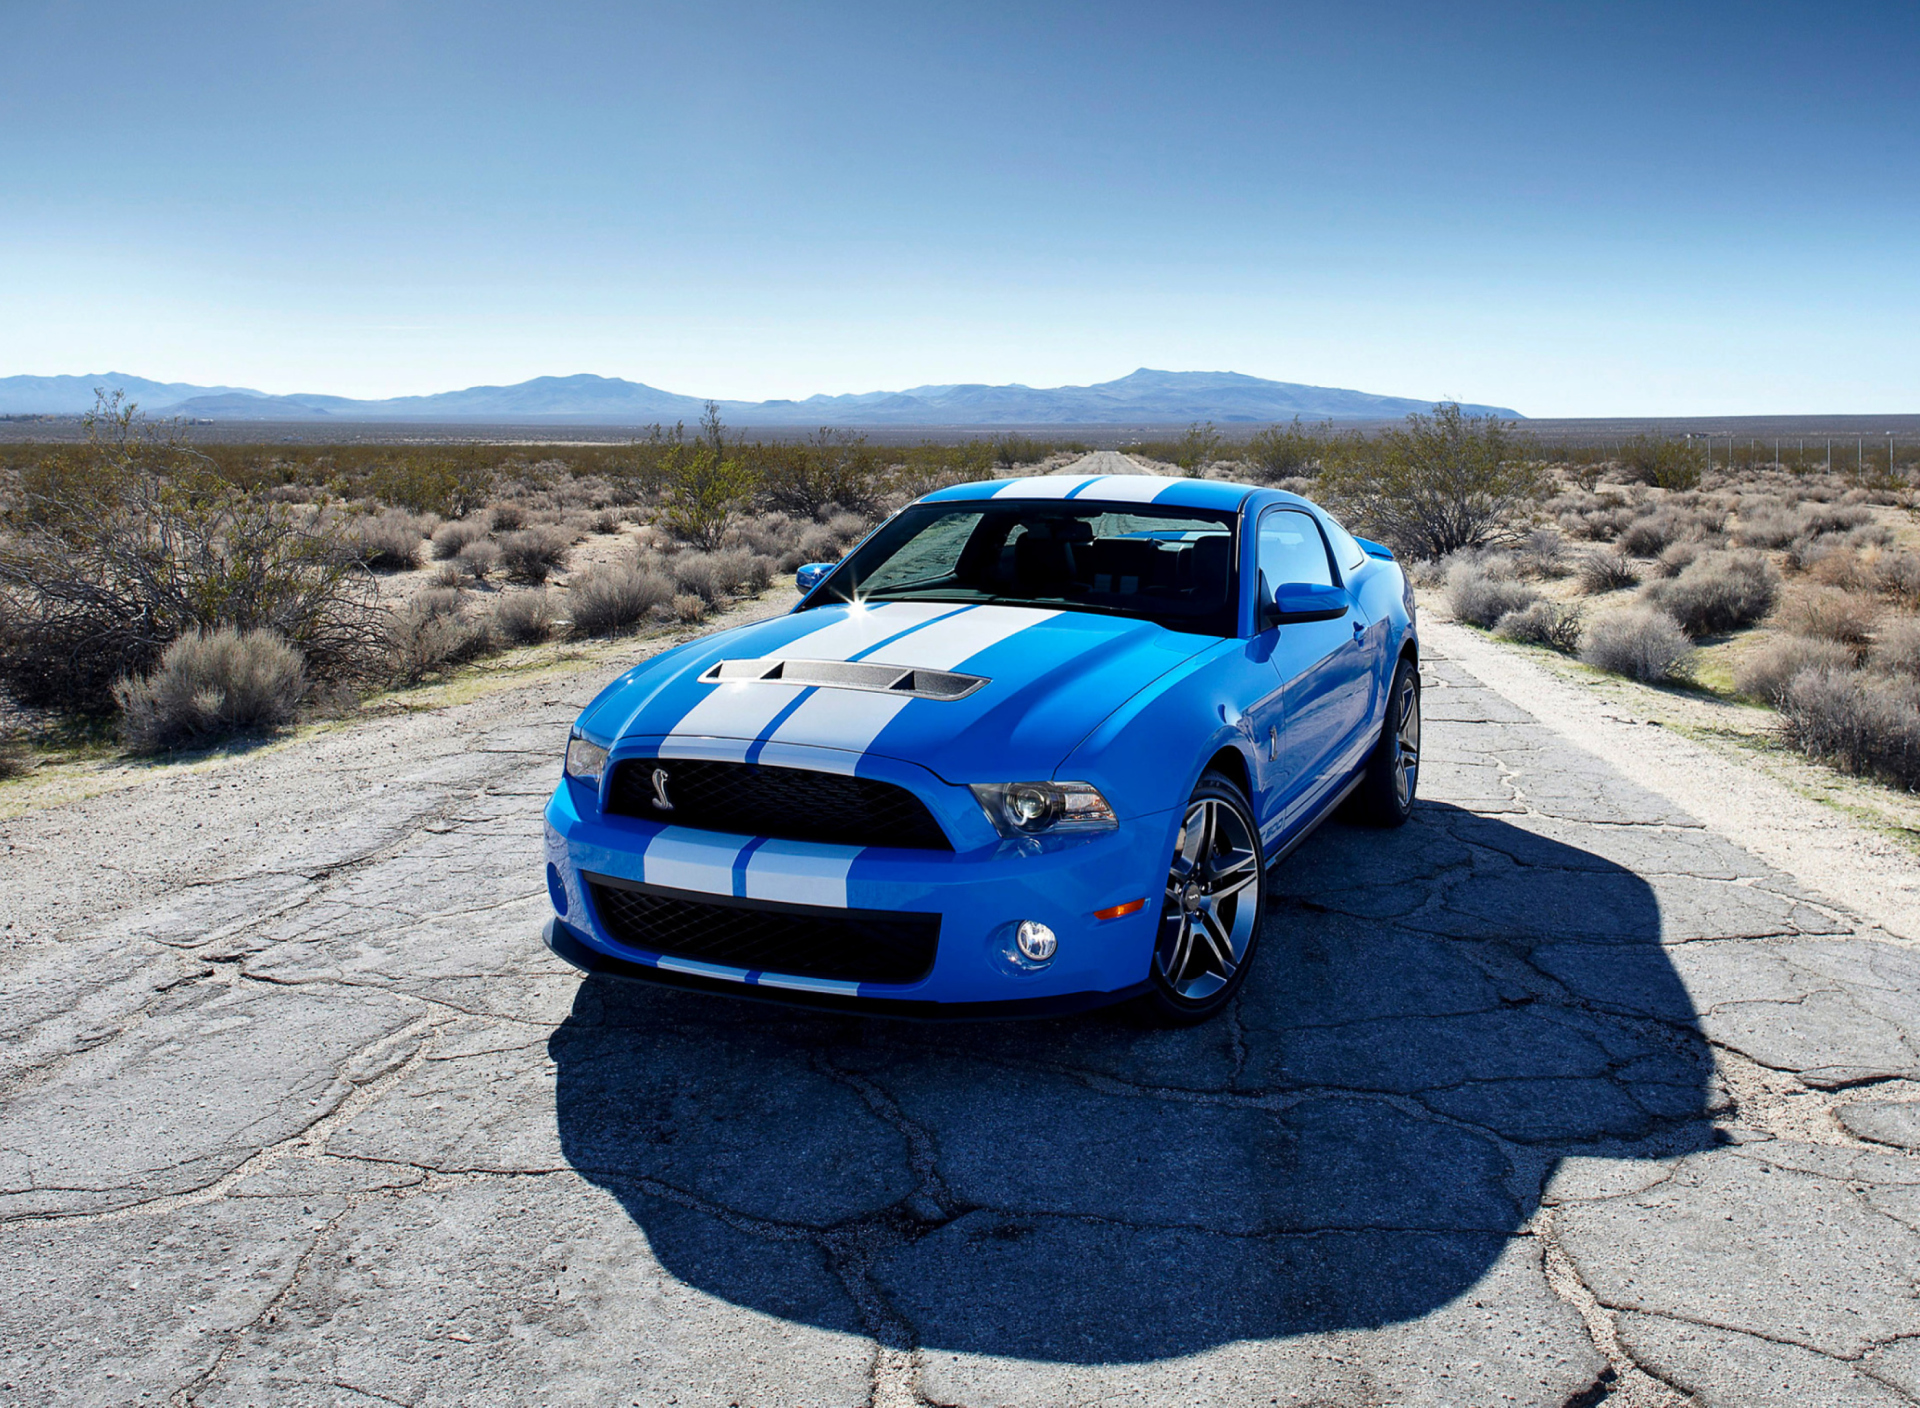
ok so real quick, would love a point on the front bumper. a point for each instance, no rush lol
(980, 894)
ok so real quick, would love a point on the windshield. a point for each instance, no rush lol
(1170, 565)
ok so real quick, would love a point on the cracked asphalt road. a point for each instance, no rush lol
(1554, 1097)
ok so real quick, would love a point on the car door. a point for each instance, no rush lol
(1373, 606)
(1321, 665)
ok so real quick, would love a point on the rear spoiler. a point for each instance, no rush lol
(1379, 550)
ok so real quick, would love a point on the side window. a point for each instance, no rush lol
(1349, 554)
(1291, 549)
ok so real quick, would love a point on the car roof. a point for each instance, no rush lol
(1104, 488)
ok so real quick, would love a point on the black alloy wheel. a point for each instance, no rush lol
(1211, 910)
(1386, 792)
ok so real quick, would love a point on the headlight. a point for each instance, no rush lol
(585, 759)
(1050, 808)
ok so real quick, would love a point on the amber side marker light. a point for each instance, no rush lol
(1121, 911)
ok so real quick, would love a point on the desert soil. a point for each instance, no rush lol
(1596, 1082)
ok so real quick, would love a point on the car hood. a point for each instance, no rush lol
(1049, 677)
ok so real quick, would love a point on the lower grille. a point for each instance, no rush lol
(853, 945)
(793, 804)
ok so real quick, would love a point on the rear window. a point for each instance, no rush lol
(1348, 553)
(1174, 566)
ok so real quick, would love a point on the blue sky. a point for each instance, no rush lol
(1573, 210)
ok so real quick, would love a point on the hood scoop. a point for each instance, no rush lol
(849, 674)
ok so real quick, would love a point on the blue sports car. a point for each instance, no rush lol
(1031, 746)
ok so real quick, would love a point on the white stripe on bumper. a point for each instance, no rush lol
(683, 859)
(800, 872)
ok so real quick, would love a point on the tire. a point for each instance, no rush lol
(1214, 900)
(1386, 791)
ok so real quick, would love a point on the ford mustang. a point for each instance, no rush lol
(1031, 746)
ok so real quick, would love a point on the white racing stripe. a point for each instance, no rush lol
(800, 872)
(788, 755)
(852, 719)
(744, 708)
(1124, 489)
(787, 872)
(1040, 486)
(684, 859)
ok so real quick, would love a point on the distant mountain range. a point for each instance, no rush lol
(1144, 398)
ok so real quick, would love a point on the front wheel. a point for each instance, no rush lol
(1210, 915)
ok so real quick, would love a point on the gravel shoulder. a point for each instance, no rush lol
(1586, 1086)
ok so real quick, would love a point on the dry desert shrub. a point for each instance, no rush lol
(478, 558)
(1482, 594)
(1719, 591)
(1544, 554)
(505, 517)
(1646, 536)
(386, 542)
(848, 527)
(1607, 572)
(523, 618)
(1808, 551)
(1602, 524)
(208, 684)
(1856, 723)
(1766, 525)
(110, 557)
(1549, 623)
(1818, 518)
(1677, 558)
(1830, 614)
(817, 543)
(1896, 576)
(1896, 651)
(697, 573)
(534, 554)
(713, 576)
(1444, 482)
(450, 538)
(448, 576)
(1842, 567)
(689, 607)
(1639, 642)
(1669, 464)
(1769, 669)
(768, 534)
(603, 601)
(433, 631)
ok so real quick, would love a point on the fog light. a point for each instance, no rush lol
(1036, 941)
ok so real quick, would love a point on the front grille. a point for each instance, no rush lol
(854, 945)
(789, 803)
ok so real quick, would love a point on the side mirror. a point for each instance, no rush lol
(808, 577)
(1296, 602)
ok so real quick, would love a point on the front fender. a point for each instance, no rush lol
(1148, 753)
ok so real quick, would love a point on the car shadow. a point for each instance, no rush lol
(1437, 1016)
